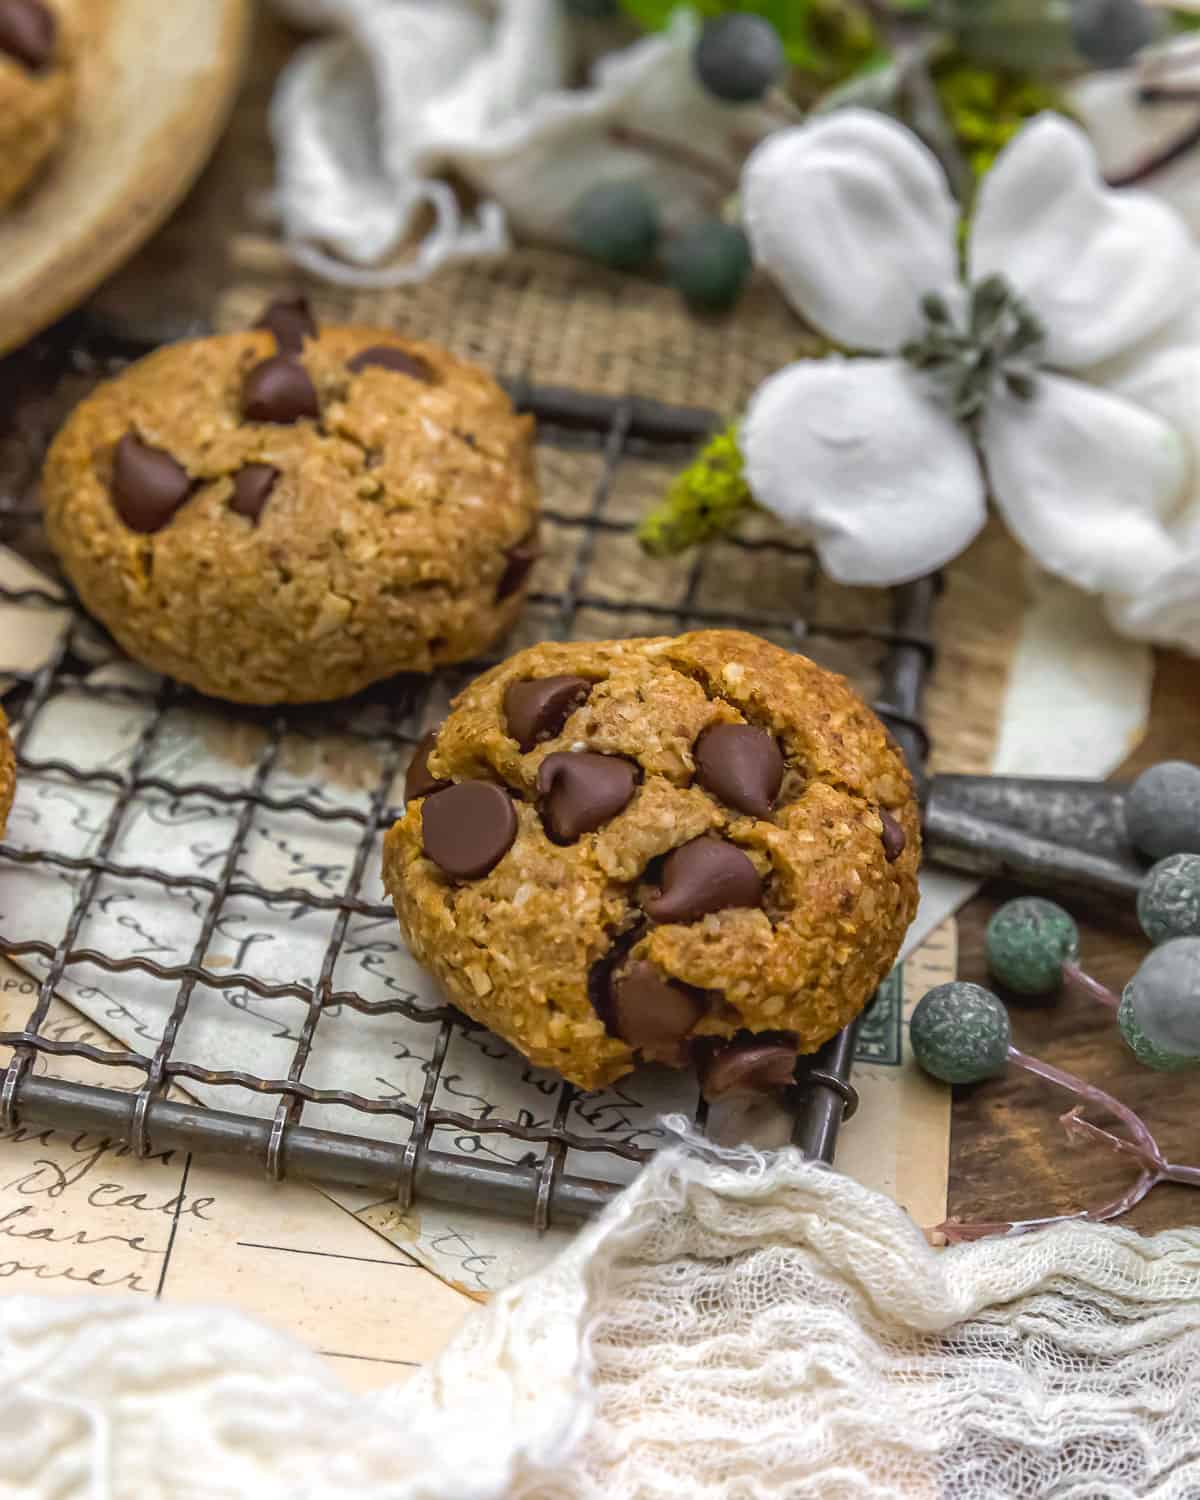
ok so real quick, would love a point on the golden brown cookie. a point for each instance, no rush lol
(643, 848)
(36, 90)
(8, 773)
(282, 516)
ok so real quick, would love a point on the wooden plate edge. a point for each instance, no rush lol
(145, 205)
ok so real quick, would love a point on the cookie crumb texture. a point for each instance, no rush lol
(36, 91)
(8, 773)
(288, 521)
(708, 834)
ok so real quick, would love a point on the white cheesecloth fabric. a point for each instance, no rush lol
(369, 119)
(735, 1325)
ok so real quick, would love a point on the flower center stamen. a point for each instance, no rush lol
(1002, 341)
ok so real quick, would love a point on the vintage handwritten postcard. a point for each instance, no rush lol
(81, 1214)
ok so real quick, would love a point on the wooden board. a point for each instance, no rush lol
(156, 81)
(1009, 1158)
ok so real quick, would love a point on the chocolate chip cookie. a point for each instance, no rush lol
(36, 90)
(8, 773)
(287, 515)
(693, 849)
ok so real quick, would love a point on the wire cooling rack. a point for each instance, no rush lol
(601, 461)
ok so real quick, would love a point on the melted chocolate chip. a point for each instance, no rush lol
(468, 828)
(252, 486)
(750, 1065)
(148, 485)
(600, 975)
(279, 390)
(580, 791)
(652, 1013)
(517, 569)
(27, 32)
(706, 875)
(388, 357)
(538, 709)
(895, 840)
(419, 780)
(290, 319)
(741, 765)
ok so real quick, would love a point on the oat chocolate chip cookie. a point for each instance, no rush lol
(695, 849)
(36, 91)
(289, 514)
(8, 773)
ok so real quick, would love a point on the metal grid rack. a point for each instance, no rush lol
(608, 434)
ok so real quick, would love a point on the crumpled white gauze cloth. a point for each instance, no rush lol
(370, 119)
(734, 1325)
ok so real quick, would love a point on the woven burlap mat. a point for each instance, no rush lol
(559, 320)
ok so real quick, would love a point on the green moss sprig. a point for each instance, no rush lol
(706, 500)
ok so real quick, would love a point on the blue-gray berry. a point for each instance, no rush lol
(708, 264)
(1159, 1014)
(960, 1033)
(1162, 810)
(739, 57)
(1142, 1047)
(617, 223)
(1168, 904)
(1027, 943)
(1109, 32)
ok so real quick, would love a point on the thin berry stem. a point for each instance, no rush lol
(1074, 975)
(718, 173)
(1089, 1092)
(1165, 93)
(1157, 161)
(1142, 1149)
(1155, 1165)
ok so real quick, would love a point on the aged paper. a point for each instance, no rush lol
(81, 1214)
(899, 1142)
(28, 632)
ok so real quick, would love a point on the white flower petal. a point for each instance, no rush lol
(1100, 268)
(1167, 612)
(1165, 378)
(855, 455)
(853, 218)
(1085, 480)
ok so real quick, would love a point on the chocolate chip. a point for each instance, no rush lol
(252, 486)
(388, 357)
(741, 765)
(895, 840)
(538, 709)
(27, 32)
(749, 1065)
(279, 390)
(706, 875)
(419, 780)
(521, 559)
(468, 828)
(653, 1013)
(580, 790)
(148, 485)
(290, 319)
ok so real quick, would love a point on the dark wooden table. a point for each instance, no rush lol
(1009, 1156)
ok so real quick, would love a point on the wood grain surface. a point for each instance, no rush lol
(1009, 1156)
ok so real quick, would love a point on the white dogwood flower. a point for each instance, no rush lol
(1045, 363)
